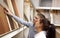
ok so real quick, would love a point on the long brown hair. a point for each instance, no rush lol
(47, 26)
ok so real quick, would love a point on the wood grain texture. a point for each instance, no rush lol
(3, 21)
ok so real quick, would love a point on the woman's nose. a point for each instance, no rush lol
(34, 19)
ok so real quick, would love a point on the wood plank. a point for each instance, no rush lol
(15, 10)
(15, 7)
(13, 23)
(3, 21)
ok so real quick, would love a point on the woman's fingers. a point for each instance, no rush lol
(8, 12)
(5, 12)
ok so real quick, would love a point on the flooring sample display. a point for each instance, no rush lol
(15, 10)
(3, 22)
(12, 7)
(15, 7)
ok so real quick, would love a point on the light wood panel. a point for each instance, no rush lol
(15, 7)
(11, 6)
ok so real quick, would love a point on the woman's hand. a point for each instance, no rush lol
(7, 12)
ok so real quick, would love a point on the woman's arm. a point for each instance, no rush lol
(20, 20)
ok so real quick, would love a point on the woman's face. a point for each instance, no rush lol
(36, 21)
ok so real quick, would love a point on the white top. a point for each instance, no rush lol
(41, 34)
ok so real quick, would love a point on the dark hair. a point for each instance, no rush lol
(47, 26)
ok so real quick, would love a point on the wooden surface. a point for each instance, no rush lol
(15, 7)
(3, 21)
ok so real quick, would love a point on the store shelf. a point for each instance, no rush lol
(12, 33)
(50, 8)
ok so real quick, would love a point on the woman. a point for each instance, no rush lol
(40, 26)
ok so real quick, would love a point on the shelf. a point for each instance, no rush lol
(50, 8)
(52, 15)
(12, 33)
(58, 30)
(57, 24)
(55, 8)
(43, 7)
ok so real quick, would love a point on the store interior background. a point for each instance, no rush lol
(26, 9)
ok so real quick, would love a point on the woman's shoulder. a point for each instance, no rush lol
(41, 34)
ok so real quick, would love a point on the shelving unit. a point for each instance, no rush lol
(52, 15)
(53, 10)
(8, 23)
(45, 3)
(13, 26)
(49, 3)
(3, 22)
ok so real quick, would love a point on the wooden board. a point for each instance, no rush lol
(3, 21)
